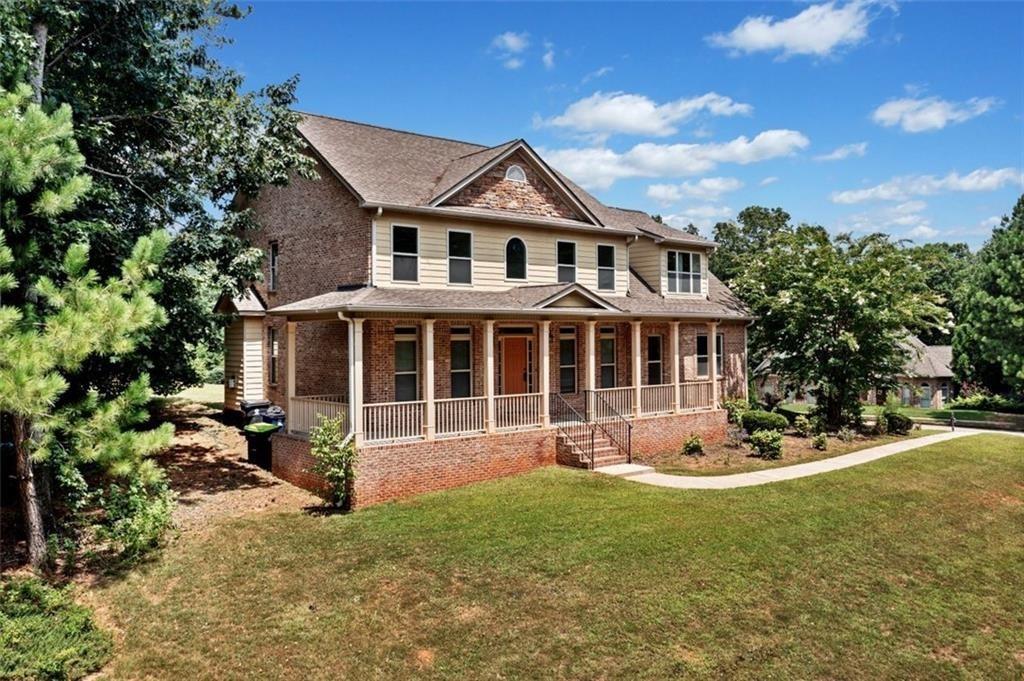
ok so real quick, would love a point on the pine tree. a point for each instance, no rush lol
(51, 324)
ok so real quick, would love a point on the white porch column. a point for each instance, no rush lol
(713, 361)
(590, 351)
(428, 378)
(489, 373)
(289, 328)
(637, 373)
(675, 366)
(355, 377)
(545, 373)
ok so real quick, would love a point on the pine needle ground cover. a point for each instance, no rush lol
(908, 567)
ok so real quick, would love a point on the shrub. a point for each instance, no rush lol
(820, 442)
(802, 425)
(335, 455)
(136, 516)
(846, 434)
(754, 421)
(693, 446)
(44, 634)
(736, 408)
(735, 436)
(895, 422)
(767, 444)
(881, 426)
(983, 402)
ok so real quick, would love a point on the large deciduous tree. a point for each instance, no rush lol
(945, 267)
(745, 237)
(832, 313)
(989, 339)
(169, 138)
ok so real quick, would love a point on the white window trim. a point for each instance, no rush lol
(612, 336)
(415, 338)
(700, 273)
(575, 262)
(448, 260)
(706, 356)
(614, 268)
(526, 258)
(468, 336)
(565, 335)
(515, 166)
(659, 362)
(419, 247)
(275, 265)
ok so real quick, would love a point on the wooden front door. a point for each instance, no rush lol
(514, 371)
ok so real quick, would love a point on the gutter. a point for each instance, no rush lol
(349, 310)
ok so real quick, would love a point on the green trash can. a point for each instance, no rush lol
(257, 437)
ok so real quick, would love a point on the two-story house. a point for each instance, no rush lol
(470, 312)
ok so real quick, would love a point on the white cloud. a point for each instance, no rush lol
(600, 167)
(599, 73)
(989, 223)
(818, 30)
(702, 216)
(845, 151)
(549, 55)
(511, 42)
(905, 216)
(901, 188)
(707, 188)
(620, 112)
(923, 232)
(768, 180)
(930, 113)
(513, 63)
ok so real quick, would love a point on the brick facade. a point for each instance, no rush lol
(533, 197)
(660, 434)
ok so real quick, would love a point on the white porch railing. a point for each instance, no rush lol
(460, 415)
(619, 399)
(393, 421)
(656, 399)
(304, 412)
(517, 411)
(695, 395)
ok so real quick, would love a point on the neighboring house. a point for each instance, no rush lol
(926, 381)
(470, 312)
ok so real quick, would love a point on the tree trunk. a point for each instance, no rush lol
(39, 32)
(30, 507)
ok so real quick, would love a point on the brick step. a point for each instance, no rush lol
(608, 461)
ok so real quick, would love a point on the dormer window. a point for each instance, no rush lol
(684, 272)
(515, 174)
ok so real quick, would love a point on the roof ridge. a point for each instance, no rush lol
(384, 127)
(480, 151)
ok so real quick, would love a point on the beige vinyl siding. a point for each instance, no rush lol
(646, 257)
(489, 254)
(243, 359)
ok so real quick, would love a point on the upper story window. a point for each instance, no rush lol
(606, 267)
(460, 257)
(515, 259)
(275, 252)
(405, 253)
(684, 272)
(566, 262)
(515, 174)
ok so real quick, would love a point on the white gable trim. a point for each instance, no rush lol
(578, 289)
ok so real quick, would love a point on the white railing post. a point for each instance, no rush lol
(545, 373)
(713, 361)
(637, 373)
(489, 374)
(355, 377)
(289, 328)
(428, 383)
(675, 367)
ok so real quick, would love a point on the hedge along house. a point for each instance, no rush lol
(469, 313)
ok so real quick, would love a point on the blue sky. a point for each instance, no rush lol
(906, 118)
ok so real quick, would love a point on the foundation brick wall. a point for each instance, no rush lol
(292, 461)
(533, 197)
(659, 434)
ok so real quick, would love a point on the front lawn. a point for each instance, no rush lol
(723, 459)
(920, 413)
(908, 567)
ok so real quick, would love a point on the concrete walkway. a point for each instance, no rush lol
(648, 476)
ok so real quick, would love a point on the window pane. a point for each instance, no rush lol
(696, 262)
(606, 279)
(405, 268)
(566, 274)
(566, 253)
(567, 353)
(405, 355)
(684, 261)
(702, 366)
(460, 354)
(654, 374)
(405, 240)
(405, 387)
(673, 282)
(515, 259)
(460, 244)
(567, 380)
(606, 256)
(460, 271)
(608, 377)
(695, 283)
(460, 384)
(607, 351)
(671, 261)
(702, 344)
(653, 348)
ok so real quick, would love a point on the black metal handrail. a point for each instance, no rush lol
(613, 424)
(576, 429)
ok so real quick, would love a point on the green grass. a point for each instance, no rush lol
(44, 634)
(908, 567)
(920, 413)
(208, 394)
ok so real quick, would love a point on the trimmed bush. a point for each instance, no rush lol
(767, 444)
(802, 425)
(820, 442)
(982, 402)
(754, 421)
(693, 446)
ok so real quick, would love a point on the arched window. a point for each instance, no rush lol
(515, 259)
(516, 174)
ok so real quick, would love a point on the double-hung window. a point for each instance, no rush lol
(654, 360)
(606, 267)
(405, 253)
(275, 253)
(567, 359)
(607, 352)
(272, 350)
(702, 355)
(462, 362)
(460, 257)
(719, 354)
(406, 364)
(566, 262)
(684, 272)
